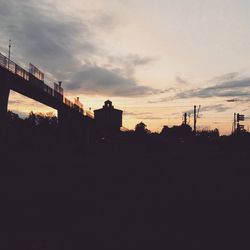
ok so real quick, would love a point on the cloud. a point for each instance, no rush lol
(226, 77)
(14, 102)
(131, 59)
(171, 92)
(93, 79)
(180, 80)
(218, 108)
(137, 113)
(129, 113)
(233, 86)
(68, 49)
(143, 115)
(150, 117)
(234, 100)
(128, 64)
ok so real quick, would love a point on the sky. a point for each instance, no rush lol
(154, 59)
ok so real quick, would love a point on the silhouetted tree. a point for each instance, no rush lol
(42, 120)
(209, 134)
(181, 131)
(14, 122)
(164, 131)
(12, 116)
(141, 129)
(31, 119)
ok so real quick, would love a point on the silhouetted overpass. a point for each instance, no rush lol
(31, 84)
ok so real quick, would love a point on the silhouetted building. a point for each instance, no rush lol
(182, 131)
(108, 118)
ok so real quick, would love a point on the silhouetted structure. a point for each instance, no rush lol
(108, 119)
(96, 192)
(177, 132)
(31, 84)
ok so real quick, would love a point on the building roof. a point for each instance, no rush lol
(107, 106)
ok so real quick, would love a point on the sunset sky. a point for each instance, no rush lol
(154, 59)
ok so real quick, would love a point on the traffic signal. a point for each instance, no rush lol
(240, 118)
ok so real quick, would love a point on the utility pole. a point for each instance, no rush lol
(235, 121)
(185, 119)
(195, 118)
(9, 54)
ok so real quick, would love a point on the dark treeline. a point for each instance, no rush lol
(43, 130)
(130, 190)
(36, 129)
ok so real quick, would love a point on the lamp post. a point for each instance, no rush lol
(9, 54)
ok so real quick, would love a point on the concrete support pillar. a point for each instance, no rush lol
(63, 115)
(71, 124)
(4, 97)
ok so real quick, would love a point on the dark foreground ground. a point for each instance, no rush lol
(113, 198)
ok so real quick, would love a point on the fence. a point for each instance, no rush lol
(14, 68)
(68, 102)
(21, 72)
(11, 66)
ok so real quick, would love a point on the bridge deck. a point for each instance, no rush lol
(25, 83)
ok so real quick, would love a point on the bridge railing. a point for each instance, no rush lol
(22, 72)
(16, 69)
(13, 67)
(57, 93)
(68, 102)
(3, 61)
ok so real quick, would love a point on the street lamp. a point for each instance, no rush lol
(9, 54)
